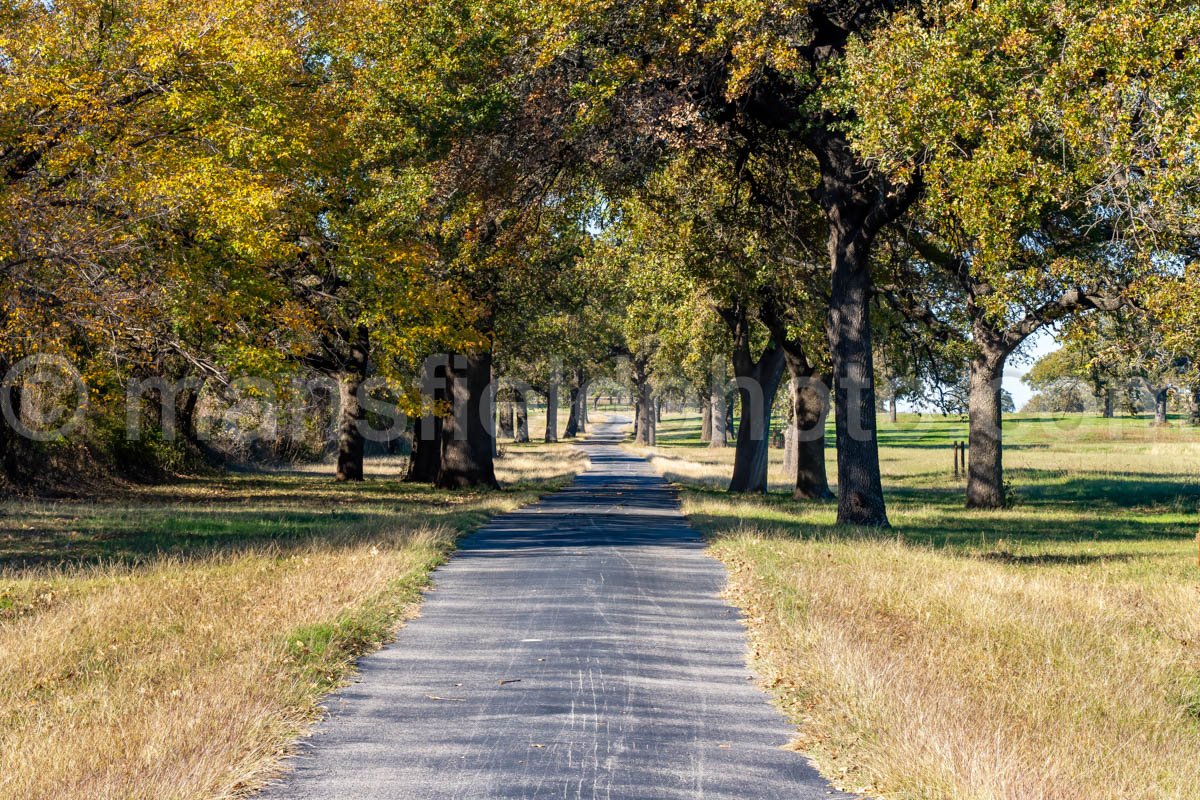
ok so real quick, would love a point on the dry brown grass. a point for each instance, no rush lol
(914, 673)
(187, 679)
(532, 462)
(185, 670)
(1047, 651)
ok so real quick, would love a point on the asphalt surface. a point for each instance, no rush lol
(575, 649)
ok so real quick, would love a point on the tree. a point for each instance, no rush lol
(699, 214)
(1058, 160)
(611, 89)
(147, 159)
(1131, 346)
(1063, 379)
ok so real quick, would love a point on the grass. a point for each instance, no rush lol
(173, 643)
(1050, 650)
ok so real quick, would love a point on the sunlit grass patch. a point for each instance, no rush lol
(1049, 650)
(174, 642)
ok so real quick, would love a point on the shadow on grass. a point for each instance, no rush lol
(199, 518)
(1099, 512)
(1062, 559)
(1128, 490)
(1065, 490)
(969, 534)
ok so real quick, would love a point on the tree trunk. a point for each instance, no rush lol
(1109, 402)
(506, 419)
(893, 414)
(757, 385)
(186, 421)
(521, 423)
(706, 420)
(12, 444)
(730, 406)
(572, 429)
(350, 439)
(468, 440)
(1160, 405)
(720, 419)
(1194, 411)
(582, 380)
(187, 403)
(806, 435)
(753, 447)
(848, 326)
(646, 428)
(552, 411)
(425, 458)
(985, 465)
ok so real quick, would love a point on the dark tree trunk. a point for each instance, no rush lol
(720, 417)
(658, 410)
(706, 420)
(860, 487)
(186, 423)
(185, 417)
(572, 429)
(1194, 411)
(893, 414)
(16, 452)
(1161, 395)
(425, 458)
(582, 380)
(351, 412)
(805, 438)
(521, 421)
(757, 385)
(646, 428)
(552, 410)
(468, 440)
(985, 465)
(506, 419)
(753, 447)
(1109, 401)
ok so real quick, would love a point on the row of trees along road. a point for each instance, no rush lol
(745, 189)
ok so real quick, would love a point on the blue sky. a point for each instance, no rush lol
(1038, 345)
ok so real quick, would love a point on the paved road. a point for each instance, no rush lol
(575, 649)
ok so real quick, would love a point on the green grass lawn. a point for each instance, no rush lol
(1073, 478)
(1047, 650)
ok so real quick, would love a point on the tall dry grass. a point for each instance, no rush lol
(918, 673)
(187, 679)
(1050, 651)
(187, 675)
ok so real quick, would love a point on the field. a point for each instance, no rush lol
(1050, 650)
(172, 642)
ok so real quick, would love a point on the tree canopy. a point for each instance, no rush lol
(881, 198)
